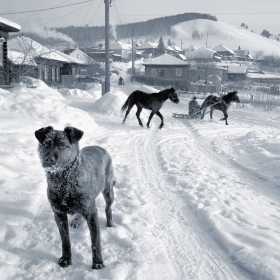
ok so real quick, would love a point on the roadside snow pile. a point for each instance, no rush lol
(112, 102)
(91, 91)
(38, 107)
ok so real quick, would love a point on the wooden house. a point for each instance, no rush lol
(243, 55)
(202, 54)
(166, 67)
(51, 64)
(147, 48)
(6, 27)
(224, 52)
(237, 73)
(121, 49)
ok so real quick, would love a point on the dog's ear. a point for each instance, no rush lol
(41, 134)
(74, 134)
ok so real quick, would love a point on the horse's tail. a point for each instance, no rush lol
(204, 104)
(127, 102)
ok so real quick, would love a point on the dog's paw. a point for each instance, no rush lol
(110, 224)
(76, 222)
(64, 262)
(98, 265)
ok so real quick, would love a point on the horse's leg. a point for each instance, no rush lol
(139, 109)
(150, 117)
(202, 113)
(127, 112)
(211, 112)
(226, 116)
(161, 117)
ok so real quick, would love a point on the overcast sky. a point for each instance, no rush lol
(257, 14)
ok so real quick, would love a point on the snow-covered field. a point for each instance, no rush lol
(195, 200)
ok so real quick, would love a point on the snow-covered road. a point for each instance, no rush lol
(195, 200)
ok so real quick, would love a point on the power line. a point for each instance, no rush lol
(59, 17)
(95, 12)
(39, 12)
(87, 12)
(46, 8)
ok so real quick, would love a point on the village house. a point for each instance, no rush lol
(6, 27)
(50, 65)
(166, 67)
(237, 72)
(243, 55)
(148, 49)
(224, 52)
(202, 54)
(121, 50)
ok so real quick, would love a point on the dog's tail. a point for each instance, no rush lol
(128, 101)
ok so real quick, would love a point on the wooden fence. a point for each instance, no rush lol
(155, 81)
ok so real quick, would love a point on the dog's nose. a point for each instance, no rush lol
(50, 159)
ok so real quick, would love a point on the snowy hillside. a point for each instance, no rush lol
(222, 33)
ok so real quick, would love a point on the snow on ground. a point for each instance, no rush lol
(195, 200)
(217, 32)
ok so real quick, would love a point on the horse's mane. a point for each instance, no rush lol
(167, 90)
(231, 93)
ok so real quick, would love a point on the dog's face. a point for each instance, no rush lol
(58, 148)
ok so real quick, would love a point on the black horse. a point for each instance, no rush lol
(219, 103)
(150, 101)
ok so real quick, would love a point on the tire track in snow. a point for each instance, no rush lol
(195, 255)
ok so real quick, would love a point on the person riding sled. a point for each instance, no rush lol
(121, 81)
(194, 108)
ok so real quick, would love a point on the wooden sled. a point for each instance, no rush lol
(183, 116)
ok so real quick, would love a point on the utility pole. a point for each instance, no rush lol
(181, 45)
(107, 46)
(133, 58)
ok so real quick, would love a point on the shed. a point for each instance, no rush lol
(237, 72)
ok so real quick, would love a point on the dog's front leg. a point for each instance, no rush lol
(62, 223)
(93, 224)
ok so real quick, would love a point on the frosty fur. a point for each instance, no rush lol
(75, 178)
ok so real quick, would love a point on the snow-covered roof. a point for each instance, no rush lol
(240, 69)
(165, 59)
(191, 48)
(222, 48)
(78, 54)
(173, 48)
(19, 58)
(147, 45)
(28, 46)
(117, 45)
(182, 56)
(202, 52)
(9, 26)
(69, 58)
(262, 76)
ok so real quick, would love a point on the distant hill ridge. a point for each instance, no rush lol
(153, 27)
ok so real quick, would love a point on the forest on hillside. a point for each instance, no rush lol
(89, 35)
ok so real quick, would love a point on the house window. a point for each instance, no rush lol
(58, 73)
(40, 70)
(53, 73)
(161, 72)
(73, 71)
(46, 73)
(178, 72)
(154, 72)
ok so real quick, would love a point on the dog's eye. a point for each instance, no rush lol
(61, 145)
(47, 143)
